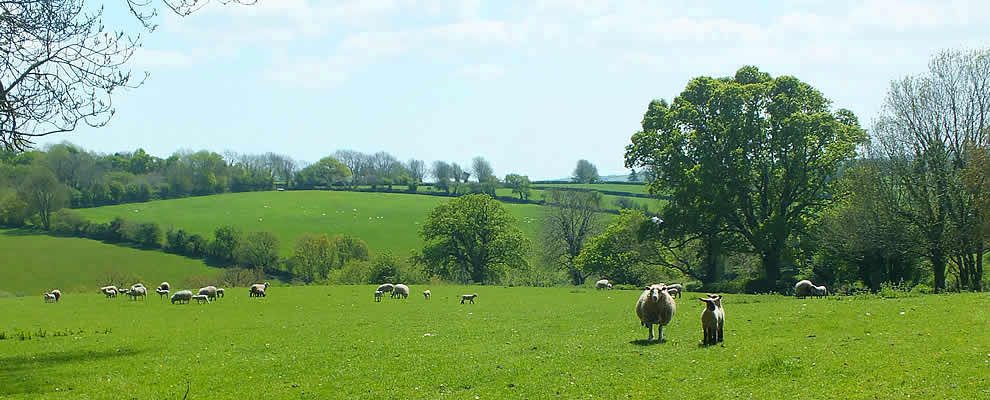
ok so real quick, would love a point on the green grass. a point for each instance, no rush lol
(383, 220)
(630, 188)
(33, 263)
(531, 343)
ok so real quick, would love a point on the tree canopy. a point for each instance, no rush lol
(585, 172)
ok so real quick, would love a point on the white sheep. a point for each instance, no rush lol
(200, 298)
(162, 293)
(803, 288)
(165, 286)
(675, 289)
(49, 297)
(602, 284)
(386, 287)
(469, 297)
(719, 314)
(655, 307)
(208, 291)
(609, 286)
(378, 295)
(57, 293)
(259, 290)
(220, 292)
(400, 290)
(426, 293)
(182, 295)
(137, 291)
(109, 291)
(709, 322)
(820, 291)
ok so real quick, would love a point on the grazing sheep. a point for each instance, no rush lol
(259, 290)
(220, 293)
(820, 291)
(378, 296)
(165, 286)
(719, 313)
(469, 297)
(161, 293)
(803, 288)
(427, 294)
(400, 290)
(109, 291)
(137, 291)
(655, 306)
(386, 287)
(609, 286)
(209, 291)
(675, 289)
(709, 322)
(139, 284)
(57, 293)
(182, 295)
(49, 297)
(200, 298)
(602, 284)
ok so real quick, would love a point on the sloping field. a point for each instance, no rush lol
(31, 263)
(320, 342)
(383, 220)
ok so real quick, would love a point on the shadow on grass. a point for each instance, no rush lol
(33, 374)
(21, 232)
(644, 342)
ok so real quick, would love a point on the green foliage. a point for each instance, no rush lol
(347, 248)
(225, 241)
(617, 252)
(258, 250)
(570, 219)
(472, 237)
(585, 172)
(325, 172)
(313, 257)
(68, 222)
(519, 184)
(43, 193)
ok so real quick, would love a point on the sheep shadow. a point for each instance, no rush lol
(32, 374)
(644, 342)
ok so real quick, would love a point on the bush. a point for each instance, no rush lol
(352, 273)
(922, 289)
(97, 231)
(175, 241)
(892, 290)
(197, 246)
(68, 222)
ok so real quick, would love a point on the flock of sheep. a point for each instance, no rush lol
(204, 295)
(400, 290)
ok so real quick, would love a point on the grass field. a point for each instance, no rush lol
(630, 188)
(322, 342)
(31, 263)
(383, 220)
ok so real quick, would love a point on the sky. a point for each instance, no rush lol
(532, 86)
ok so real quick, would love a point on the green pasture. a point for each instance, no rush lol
(32, 263)
(383, 220)
(630, 188)
(318, 342)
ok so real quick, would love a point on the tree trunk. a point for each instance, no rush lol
(978, 273)
(577, 278)
(938, 265)
(771, 265)
(478, 273)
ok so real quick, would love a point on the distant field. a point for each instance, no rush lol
(614, 187)
(383, 220)
(32, 263)
(321, 342)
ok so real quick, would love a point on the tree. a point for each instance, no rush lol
(313, 257)
(928, 128)
(43, 193)
(417, 170)
(225, 241)
(570, 218)
(750, 156)
(347, 248)
(472, 237)
(443, 174)
(483, 170)
(331, 171)
(257, 250)
(585, 172)
(519, 184)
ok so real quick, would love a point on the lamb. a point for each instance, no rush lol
(609, 286)
(57, 293)
(161, 292)
(165, 286)
(820, 291)
(400, 290)
(259, 290)
(602, 284)
(220, 292)
(200, 298)
(675, 289)
(137, 291)
(386, 287)
(109, 291)
(49, 297)
(209, 291)
(803, 288)
(709, 321)
(719, 314)
(378, 296)
(469, 297)
(427, 294)
(182, 295)
(655, 306)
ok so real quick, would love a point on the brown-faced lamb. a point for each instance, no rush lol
(719, 314)
(468, 297)
(400, 290)
(182, 296)
(655, 307)
(259, 290)
(220, 293)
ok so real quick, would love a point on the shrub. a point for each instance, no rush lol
(175, 241)
(922, 289)
(68, 222)
(197, 246)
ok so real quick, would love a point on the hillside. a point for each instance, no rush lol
(31, 263)
(384, 220)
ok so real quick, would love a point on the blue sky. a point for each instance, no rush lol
(532, 86)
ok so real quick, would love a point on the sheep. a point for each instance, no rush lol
(182, 295)
(49, 297)
(57, 293)
(200, 298)
(803, 288)
(709, 322)
(655, 306)
(259, 290)
(220, 293)
(165, 286)
(602, 284)
(386, 287)
(469, 297)
(426, 293)
(137, 291)
(209, 291)
(378, 296)
(675, 289)
(400, 290)
(161, 293)
(820, 291)
(719, 314)
(609, 286)
(109, 291)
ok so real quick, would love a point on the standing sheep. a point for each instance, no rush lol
(182, 295)
(109, 291)
(386, 287)
(820, 291)
(803, 288)
(602, 284)
(162, 293)
(469, 297)
(655, 306)
(719, 314)
(400, 290)
(426, 293)
(209, 291)
(201, 298)
(675, 289)
(57, 293)
(165, 286)
(137, 291)
(378, 296)
(259, 290)
(709, 322)
(49, 297)
(220, 293)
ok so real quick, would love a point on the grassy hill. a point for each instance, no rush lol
(32, 263)
(383, 220)
(319, 342)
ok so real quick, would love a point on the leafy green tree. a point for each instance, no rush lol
(225, 241)
(585, 172)
(385, 268)
(258, 250)
(443, 174)
(483, 170)
(43, 193)
(570, 218)
(473, 237)
(313, 257)
(348, 248)
(750, 155)
(519, 184)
